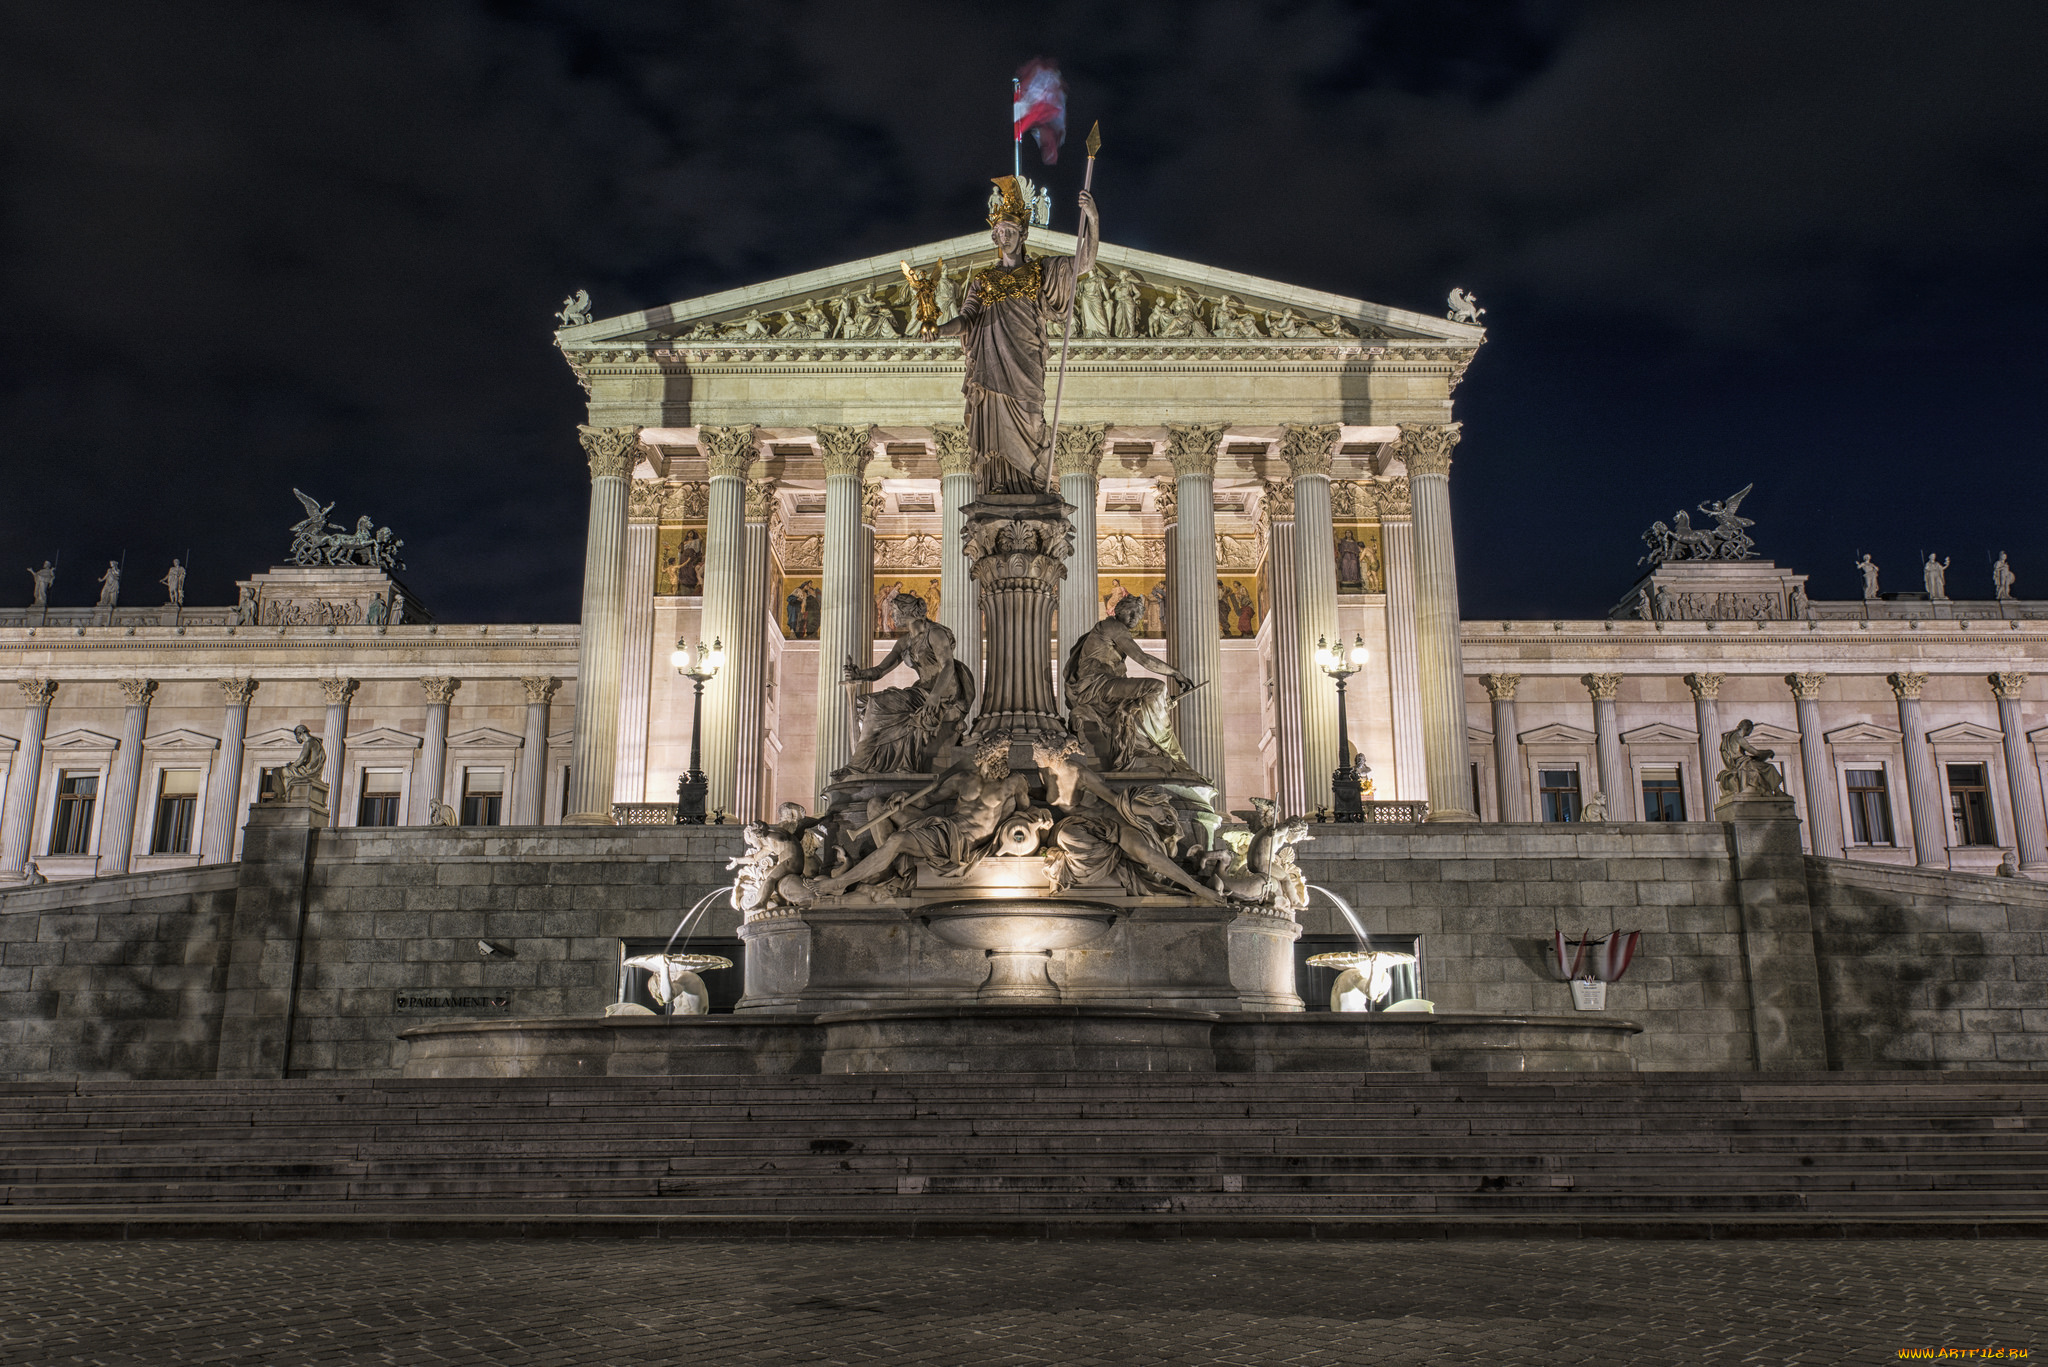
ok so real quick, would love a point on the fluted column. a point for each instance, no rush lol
(747, 650)
(1309, 451)
(1166, 502)
(124, 776)
(872, 505)
(440, 691)
(1923, 792)
(1192, 449)
(600, 662)
(1823, 813)
(728, 451)
(1079, 456)
(224, 793)
(1614, 784)
(1509, 780)
(636, 648)
(1289, 752)
(1706, 719)
(529, 799)
(959, 603)
(1439, 652)
(846, 607)
(2021, 777)
(334, 737)
(24, 776)
(1397, 540)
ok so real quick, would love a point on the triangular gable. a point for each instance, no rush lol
(1556, 733)
(1475, 735)
(487, 738)
(276, 738)
(385, 738)
(561, 740)
(1862, 733)
(8, 743)
(1774, 735)
(770, 298)
(1966, 732)
(1660, 733)
(181, 738)
(81, 738)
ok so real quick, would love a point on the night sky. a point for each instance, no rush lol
(245, 247)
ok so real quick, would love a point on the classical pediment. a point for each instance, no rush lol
(1556, 733)
(861, 311)
(1966, 733)
(486, 738)
(383, 738)
(81, 738)
(1659, 733)
(181, 738)
(1862, 733)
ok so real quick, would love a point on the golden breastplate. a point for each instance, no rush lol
(996, 285)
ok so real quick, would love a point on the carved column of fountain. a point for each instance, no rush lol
(1017, 546)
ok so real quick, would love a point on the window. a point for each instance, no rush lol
(71, 830)
(483, 790)
(1663, 798)
(1969, 803)
(1870, 810)
(1560, 793)
(177, 808)
(379, 803)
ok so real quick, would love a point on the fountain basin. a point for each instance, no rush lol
(1019, 936)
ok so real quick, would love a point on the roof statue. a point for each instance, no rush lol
(1727, 539)
(1464, 307)
(575, 310)
(316, 541)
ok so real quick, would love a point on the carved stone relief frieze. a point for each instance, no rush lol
(1123, 551)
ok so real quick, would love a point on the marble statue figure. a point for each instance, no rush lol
(174, 580)
(374, 615)
(1728, 540)
(904, 727)
(1595, 808)
(575, 310)
(1746, 768)
(43, 578)
(1127, 720)
(440, 813)
(1091, 308)
(1463, 307)
(245, 606)
(2001, 579)
(1665, 603)
(1869, 568)
(1936, 574)
(1103, 833)
(1258, 864)
(948, 823)
(1125, 318)
(776, 869)
(312, 760)
(1002, 329)
(110, 584)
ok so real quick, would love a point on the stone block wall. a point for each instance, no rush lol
(1925, 969)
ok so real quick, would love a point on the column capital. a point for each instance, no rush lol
(2008, 685)
(760, 499)
(1602, 686)
(339, 691)
(1191, 446)
(728, 451)
(138, 692)
(237, 692)
(1426, 447)
(540, 688)
(844, 450)
(1277, 502)
(1309, 448)
(1501, 687)
(1906, 685)
(1805, 687)
(955, 452)
(439, 688)
(1078, 450)
(1166, 500)
(36, 692)
(612, 451)
(1705, 685)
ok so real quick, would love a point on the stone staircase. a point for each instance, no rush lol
(1314, 1155)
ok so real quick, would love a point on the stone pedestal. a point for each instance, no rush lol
(1017, 547)
(326, 595)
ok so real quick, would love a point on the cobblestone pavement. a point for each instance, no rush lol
(933, 1302)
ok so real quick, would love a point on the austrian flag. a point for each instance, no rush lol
(1040, 106)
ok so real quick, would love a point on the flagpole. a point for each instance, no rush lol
(1059, 392)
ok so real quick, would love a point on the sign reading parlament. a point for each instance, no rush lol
(431, 1000)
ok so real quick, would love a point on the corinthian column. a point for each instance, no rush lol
(432, 776)
(1078, 453)
(24, 776)
(959, 605)
(1309, 451)
(1823, 818)
(2021, 777)
(636, 639)
(529, 799)
(334, 738)
(1192, 449)
(1706, 718)
(600, 653)
(1439, 653)
(1607, 755)
(224, 794)
(1276, 504)
(747, 649)
(1508, 778)
(1397, 538)
(117, 832)
(1923, 793)
(728, 451)
(846, 607)
(1166, 502)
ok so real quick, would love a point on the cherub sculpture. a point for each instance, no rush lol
(1258, 865)
(779, 855)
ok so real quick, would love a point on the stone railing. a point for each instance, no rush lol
(1376, 812)
(643, 813)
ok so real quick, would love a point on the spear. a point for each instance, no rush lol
(1067, 324)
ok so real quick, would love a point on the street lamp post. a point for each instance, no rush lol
(696, 665)
(1347, 802)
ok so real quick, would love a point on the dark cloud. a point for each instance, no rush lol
(249, 246)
